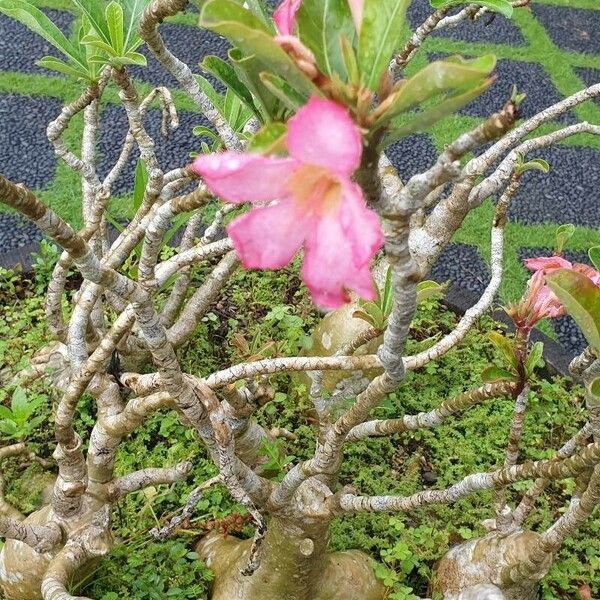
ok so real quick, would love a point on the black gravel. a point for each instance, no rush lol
(590, 77)
(499, 31)
(16, 232)
(566, 194)
(530, 78)
(571, 28)
(190, 44)
(26, 156)
(172, 152)
(20, 48)
(412, 155)
(461, 265)
(567, 331)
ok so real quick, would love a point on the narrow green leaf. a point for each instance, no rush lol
(132, 11)
(94, 11)
(581, 299)
(290, 97)
(379, 37)
(423, 120)
(439, 77)
(563, 234)
(505, 346)
(55, 64)
(202, 131)
(214, 96)
(19, 405)
(247, 33)
(534, 358)
(114, 20)
(225, 73)
(494, 373)
(320, 25)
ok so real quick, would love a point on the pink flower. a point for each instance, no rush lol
(314, 204)
(285, 16)
(548, 264)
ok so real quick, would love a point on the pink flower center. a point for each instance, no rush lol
(315, 189)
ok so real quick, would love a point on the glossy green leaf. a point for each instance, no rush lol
(282, 90)
(494, 373)
(500, 6)
(437, 78)
(581, 299)
(39, 23)
(247, 33)
(225, 73)
(426, 118)
(505, 346)
(534, 358)
(132, 12)
(320, 25)
(114, 20)
(563, 234)
(202, 131)
(269, 140)
(379, 37)
(55, 64)
(215, 98)
(94, 12)
(429, 289)
(249, 70)
(594, 254)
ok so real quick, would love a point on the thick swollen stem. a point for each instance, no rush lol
(295, 566)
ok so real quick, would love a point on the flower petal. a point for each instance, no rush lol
(361, 225)
(236, 177)
(356, 7)
(285, 15)
(329, 270)
(547, 263)
(323, 133)
(268, 237)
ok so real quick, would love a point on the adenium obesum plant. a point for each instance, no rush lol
(314, 204)
(313, 99)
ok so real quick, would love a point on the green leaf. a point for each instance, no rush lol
(203, 131)
(5, 413)
(429, 289)
(350, 61)
(388, 293)
(114, 20)
(93, 10)
(500, 6)
(505, 346)
(426, 118)
(39, 23)
(55, 64)
(379, 36)
(537, 164)
(534, 358)
(19, 405)
(594, 254)
(260, 12)
(247, 33)
(595, 387)
(227, 75)
(139, 184)
(269, 140)
(581, 299)
(361, 314)
(320, 25)
(563, 234)
(9, 428)
(494, 373)
(282, 90)
(214, 96)
(132, 11)
(437, 78)
(178, 222)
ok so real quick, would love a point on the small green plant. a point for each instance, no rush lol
(17, 422)
(277, 459)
